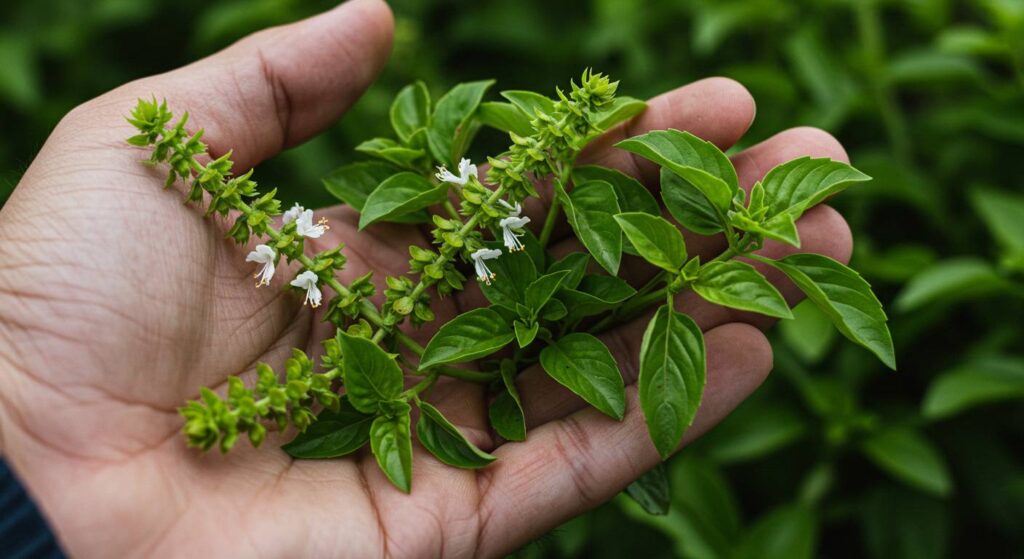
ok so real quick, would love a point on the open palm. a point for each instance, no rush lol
(117, 302)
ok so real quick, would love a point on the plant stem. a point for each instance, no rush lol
(641, 302)
(466, 374)
(450, 208)
(466, 228)
(419, 387)
(408, 342)
(549, 221)
(872, 43)
(556, 204)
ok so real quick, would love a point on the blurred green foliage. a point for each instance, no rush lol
(834, 456)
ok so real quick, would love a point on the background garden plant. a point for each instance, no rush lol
(926, 96)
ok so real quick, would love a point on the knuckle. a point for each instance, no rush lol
(817, 142)
(575, 448)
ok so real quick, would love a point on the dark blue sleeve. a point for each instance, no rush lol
(23, 532)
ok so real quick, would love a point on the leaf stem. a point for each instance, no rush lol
(450, 208)
(562, 177)
(549, 221)
(418, 388)
(466, 374)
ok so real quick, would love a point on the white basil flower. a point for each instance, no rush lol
(510, 237)
(513, 211)
(483, 273)
(304, 225)
(466, 170)
(266, 256)
(292, 214)
(307, 280)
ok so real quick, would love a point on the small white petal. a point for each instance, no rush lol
(307, 280)
(292, 214)
(514, 222)
(509, 237)
(486, 254)
(513, 211)
(266, 256)
(483, 273)
(466, 170)
(304, 225)
(444, 175)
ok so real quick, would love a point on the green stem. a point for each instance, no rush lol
(561, 177)
(366, 308)
(419, 387)
(441, 259)
(873, 45)
(465, 374)
(661, 276)
(450, 208)
(550, 220)
(408, 342)
(642, 302)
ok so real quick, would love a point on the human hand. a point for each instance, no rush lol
(116, 301)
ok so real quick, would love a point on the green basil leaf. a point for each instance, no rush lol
(530, 102)
(781, 228)
(845, 297)
(590, 210)
(450, 130)
(576, 264)
(513, 271)
(554, 310)
(652, 491)
(907, 524)
(371, 375)
(595, 294)
(354, 182)
(950, 281)
(789, 532)
(800, 184)
(399, 195)
(391, 151)
(655, 239)
(391, 443)
(333, 434)
(688, 205)
(738, 285)
(477, 333)
(699, 162)
(525, 334)
(911, 458)
(632, 196)
(410, 110)
(982, 381)
(505, 117)
(621, 108)
(506, 411)
(1001, 213)
(445, 442)
(810, 334)
(754, 430)
(538, 292)
(672, 377)
(704, 499)
(582, 363)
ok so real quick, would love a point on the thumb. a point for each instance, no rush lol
(277, 87)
